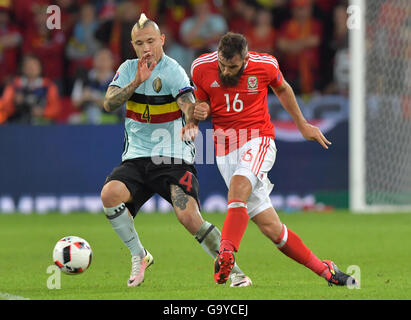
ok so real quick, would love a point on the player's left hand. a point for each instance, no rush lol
(311, 132)
(189, 132)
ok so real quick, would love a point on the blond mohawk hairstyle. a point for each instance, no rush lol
(142, 21)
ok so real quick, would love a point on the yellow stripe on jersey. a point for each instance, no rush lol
(154, 109)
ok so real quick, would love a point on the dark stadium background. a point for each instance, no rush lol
(61, 165)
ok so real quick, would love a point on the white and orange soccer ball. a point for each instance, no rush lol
(72, 255)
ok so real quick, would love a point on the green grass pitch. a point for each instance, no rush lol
(379, 245)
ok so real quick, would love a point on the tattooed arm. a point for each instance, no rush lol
(187, 103)
(116, 96)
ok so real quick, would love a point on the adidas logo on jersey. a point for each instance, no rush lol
(214, 84)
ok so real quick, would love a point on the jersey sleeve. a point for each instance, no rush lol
(199, 92)
(179, 82)
(276, 74)
(124, 75)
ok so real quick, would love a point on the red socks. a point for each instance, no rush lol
(288, 243)
(234, 225)
(292, 246)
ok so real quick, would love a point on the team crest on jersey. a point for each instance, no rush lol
(252, 82)
(157, 85)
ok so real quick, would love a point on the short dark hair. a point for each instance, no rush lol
(231, 44)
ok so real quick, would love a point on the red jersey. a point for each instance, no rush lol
(239, 113)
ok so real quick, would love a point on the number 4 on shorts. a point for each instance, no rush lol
(186, 180)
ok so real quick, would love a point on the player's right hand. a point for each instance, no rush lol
(144, 69)
(201, 111)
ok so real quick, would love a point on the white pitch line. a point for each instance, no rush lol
(8, 296)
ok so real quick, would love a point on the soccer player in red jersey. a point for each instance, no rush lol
(231, 85)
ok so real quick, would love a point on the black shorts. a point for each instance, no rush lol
(144, 177)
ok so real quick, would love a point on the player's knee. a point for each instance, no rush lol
(240, 188)
(107, 197)
(113, 194)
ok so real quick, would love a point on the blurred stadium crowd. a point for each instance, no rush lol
(61, 75)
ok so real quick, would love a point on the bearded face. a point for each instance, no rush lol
(231, 80)
(230, 70)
